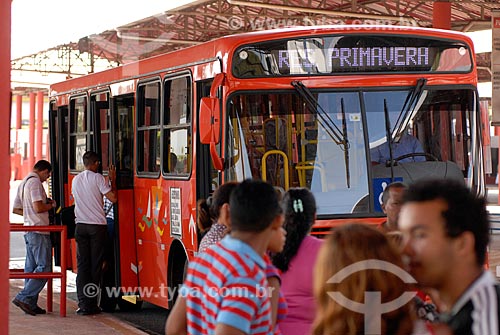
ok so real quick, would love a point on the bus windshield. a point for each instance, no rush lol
(337, 143)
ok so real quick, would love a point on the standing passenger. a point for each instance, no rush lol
(88, 189)
(446, 233)
(31, 202)
(297, 260)
(213, 215)
(226, 291)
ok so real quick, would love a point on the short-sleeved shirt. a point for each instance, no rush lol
(88, 188)
(216, 233)
(477, 311)
(227, 284)
(108, 209)
(297, 287)
(30, 191)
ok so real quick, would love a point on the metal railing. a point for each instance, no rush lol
(20, 274)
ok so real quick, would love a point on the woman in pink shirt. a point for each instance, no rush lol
(297, 261)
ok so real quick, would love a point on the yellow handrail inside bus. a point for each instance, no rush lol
(285, 165)
(301, 171)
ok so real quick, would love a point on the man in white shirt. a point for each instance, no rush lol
(32, 203)
(88, 189)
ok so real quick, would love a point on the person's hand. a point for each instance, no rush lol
(112, 173)
(53, 203)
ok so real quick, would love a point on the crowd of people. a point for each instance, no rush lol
(259, 270)
(422, 271)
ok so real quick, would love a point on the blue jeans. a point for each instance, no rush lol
(38, 259)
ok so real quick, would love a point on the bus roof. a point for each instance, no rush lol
(220, 48)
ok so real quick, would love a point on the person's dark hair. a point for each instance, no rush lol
(89, 158)
(253, 206)
(396, 184)
(465, 212)
(42, 165)
(300, 212)
(209, 209)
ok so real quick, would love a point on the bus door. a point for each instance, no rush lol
(58, 119)
(208, 177)
(112, 137)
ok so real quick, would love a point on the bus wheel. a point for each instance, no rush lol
(178, 276)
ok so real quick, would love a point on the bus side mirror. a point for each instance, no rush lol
(209, 128)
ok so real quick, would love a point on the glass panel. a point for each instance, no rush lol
(148, 151)
(78, 132)
(318, 141)
(149, 105)
(177, 101)
(177, 144)
(124, 134)
(278, 137)
(105, 121)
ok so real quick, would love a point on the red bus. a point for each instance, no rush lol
(299, 107)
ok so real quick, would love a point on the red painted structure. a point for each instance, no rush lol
(441, 15)
(233, 108)
(19, 274)
(5, 98)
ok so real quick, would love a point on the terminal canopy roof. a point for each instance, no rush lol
(204, 20)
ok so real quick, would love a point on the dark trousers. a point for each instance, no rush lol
(90, 241)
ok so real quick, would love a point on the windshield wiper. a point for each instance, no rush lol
(409, 104)
(338, 136)
(324, 119)
(389, 138)
(346, 140)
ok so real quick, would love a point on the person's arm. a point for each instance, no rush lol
(111, 195)
(17, 210)
(274, 288)
(40, 206)
(17, 207)
(177, 319)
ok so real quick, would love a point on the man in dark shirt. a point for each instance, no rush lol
(446, 232)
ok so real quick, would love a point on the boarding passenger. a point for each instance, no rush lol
(407, 144)
(88, 189)
(32, 203)
(446, 233)
(227, 284)
(297, 260)
(213, 216)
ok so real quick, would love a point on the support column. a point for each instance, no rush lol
(31, 144)
(5, 111)
(441, 15)
(39, 125)
(19, 121)
(19, 111)
(17, 156)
